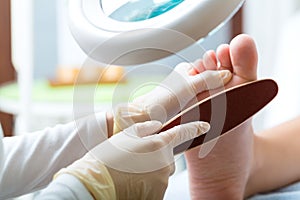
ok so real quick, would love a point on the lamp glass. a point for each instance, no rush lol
(136, 10)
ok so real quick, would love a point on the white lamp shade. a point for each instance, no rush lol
(111, 41)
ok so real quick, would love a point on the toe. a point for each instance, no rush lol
(243, 54)
(210, 60)
(223, 55)
(199, 66)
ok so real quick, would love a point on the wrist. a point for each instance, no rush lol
(110, 124)
(89, 171)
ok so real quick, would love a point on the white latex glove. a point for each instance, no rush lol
(171, 96)
(133, 164)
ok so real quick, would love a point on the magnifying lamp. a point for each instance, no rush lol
(130, 32)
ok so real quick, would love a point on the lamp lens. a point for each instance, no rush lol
(137, 10)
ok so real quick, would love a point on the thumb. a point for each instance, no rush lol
(209, 80)
(182, 133)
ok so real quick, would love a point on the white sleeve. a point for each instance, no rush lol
(31, 160)
(65, 187)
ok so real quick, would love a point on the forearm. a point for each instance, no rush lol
(30, 160)
(276, 158)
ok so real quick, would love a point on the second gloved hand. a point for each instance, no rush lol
(169, 97)
(134, 164)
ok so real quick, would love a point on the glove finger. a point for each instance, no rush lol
(182, 133)
(209, 80)
(144, 129)
(183, 68)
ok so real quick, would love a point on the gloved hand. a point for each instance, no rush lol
(172, 95)
(133, 164)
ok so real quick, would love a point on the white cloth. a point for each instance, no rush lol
(65, 187)
(31, 160)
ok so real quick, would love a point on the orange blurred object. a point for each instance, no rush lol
(87, 75)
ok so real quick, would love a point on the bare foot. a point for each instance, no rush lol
(223, 173)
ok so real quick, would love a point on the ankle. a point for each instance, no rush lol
(257, 163)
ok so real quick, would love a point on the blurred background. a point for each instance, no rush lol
(35, 42)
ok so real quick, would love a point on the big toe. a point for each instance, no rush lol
(244, 57)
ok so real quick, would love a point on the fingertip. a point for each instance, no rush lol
(225, 75)
(212, 79)
(157, 124)
(203, 127)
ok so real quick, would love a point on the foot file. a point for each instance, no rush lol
(225, 110)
